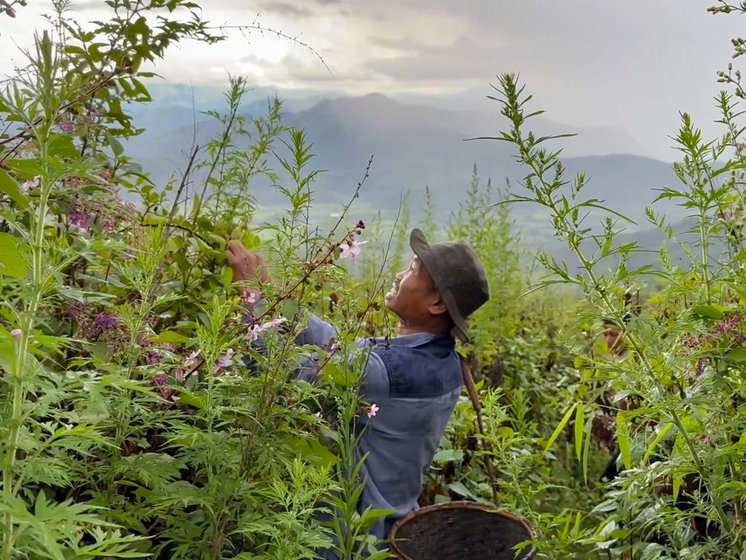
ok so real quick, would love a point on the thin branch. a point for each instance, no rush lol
(184, 180)
(277, 33)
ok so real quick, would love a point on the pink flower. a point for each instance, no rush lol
(250, 298)
(160, 379)
(103, 322)
(701, 363)
(79, 217)
(16, 333)
(372, 410)
(180, 375)
(66, 127)
(191, 360)
(29, 186)
(224, 360)
(256, 330)
(109, 224)
(74, 311)
(690, 341)
(152, 358)
(350, 248)
(728, 324)
(274, 323)
(91, 116)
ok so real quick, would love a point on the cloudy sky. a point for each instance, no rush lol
(633, 64)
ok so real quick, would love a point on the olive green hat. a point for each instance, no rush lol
(457, 274)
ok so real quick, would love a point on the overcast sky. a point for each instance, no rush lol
(632, 64)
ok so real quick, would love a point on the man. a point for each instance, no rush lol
(605, 423)
(414, 379)
(614, 339)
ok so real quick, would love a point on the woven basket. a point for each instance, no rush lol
(460, 530)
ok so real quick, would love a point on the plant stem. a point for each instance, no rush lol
(19, 383)
(704, 248)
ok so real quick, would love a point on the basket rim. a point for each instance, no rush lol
(460, 505)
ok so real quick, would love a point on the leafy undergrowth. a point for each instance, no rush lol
(149, 411)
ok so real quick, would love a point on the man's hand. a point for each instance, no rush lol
(247, 267)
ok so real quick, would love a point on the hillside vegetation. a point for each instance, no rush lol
(150, 411)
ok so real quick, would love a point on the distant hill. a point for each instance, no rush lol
(413, 146)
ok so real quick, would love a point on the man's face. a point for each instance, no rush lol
(613, 340)
(413, 293)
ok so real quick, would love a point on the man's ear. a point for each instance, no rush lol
(438, 307)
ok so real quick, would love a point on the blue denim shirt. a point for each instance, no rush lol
(415, 382)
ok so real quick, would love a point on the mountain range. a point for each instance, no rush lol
(412, 145)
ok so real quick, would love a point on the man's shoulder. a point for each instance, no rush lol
(420, 370)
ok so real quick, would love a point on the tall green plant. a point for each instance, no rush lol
(672, 397)
(148, 410)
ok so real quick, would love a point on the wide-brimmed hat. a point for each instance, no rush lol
(457, 274)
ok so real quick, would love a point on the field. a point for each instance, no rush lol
(151, 411)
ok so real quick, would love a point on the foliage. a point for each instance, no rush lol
(143, 414)
(676, 391)
(150, 411)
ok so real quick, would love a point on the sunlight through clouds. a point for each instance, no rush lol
(580, 57)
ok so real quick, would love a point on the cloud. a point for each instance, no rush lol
(290, 68)
(86, 5)
(284, 9)
(461, 59)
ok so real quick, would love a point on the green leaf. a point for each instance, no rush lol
(708, 311)
(12, 261)
(732, 490)
(312, 450)
(587, 449)
(579, 425)
(622, 437)
(371, 516)
(677, 480)
(289, 308)
(169, 337)
(461, 490)
(448, 455)
(11, 188)
(736, 355)
(661, 434)
(63, 147)
(227, 277)
(560, 427)
(29, 168)
(7, 352)
(339, 374)
(192, 399)
(116, 146)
